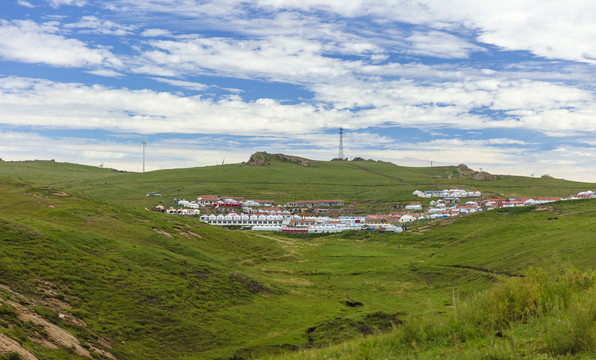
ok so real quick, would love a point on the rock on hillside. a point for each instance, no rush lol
(465, 171)
(263, 158)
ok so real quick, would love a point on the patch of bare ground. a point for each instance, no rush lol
(187, 234)
(56, 333)
(44, 342)
(54, 336)
(8, 345)
(447, 221)
(544, 208)
(163, 232)
(56, 303)
(48, 288)
(422, 229)
(60, 193)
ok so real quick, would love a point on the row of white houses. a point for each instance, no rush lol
(455, 193)
(294, 223)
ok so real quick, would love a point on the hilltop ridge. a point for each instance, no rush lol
(263, 158)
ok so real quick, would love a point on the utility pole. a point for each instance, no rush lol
(341, 143)
(144, 147)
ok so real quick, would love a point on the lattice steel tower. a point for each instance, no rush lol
(341, 144)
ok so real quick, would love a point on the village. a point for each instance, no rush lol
(327, 216)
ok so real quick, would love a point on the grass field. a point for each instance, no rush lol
(156, 286)
(372, 186)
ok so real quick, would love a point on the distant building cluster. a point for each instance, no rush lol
(264, 215)
(451, 203)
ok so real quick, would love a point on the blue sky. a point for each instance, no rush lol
(507, 87)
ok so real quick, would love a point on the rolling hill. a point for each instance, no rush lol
(79, 252)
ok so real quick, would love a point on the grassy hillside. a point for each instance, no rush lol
(142, 285)
(373, 186)
(543, 315)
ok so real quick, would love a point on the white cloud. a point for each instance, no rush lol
(57, 3)
(26, 41)
(25, 4)
(183, 84)
(286, 59)
(156, 33)
(43, 103)
(554, 109)
(94, 25)
(106, 73)
(545, 27)
(448, 105)
(439, 44)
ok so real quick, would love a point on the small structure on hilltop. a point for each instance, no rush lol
(340, 156)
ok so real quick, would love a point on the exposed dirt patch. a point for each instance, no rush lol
(45, 343)
(422, 229)
(447, 221)
(60, 193)
(8, 345)
(56, 333)
(54, 336)
(103, 342)
(47, 288)
(187, 234)
(103, 352)
(544, 208)
(57, 304)
(163, 232)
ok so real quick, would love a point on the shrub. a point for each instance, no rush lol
(573, 330)
(7, 311)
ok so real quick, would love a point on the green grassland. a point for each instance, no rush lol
(371, 185)
(157, 286)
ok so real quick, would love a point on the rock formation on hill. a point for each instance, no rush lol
(263, 158)
(465, 171)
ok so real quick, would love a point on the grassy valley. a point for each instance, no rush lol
(133, 284)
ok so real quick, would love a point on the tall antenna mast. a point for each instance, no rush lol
(144, 147)
(341, 144)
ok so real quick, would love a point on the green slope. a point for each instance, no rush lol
(157, 286)
(373, 186)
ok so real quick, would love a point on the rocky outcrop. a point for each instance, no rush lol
(260, 158)
(263, 158)
(484, 176)
(465, 171)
